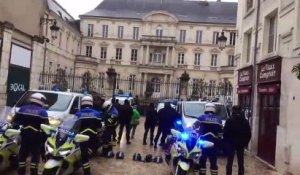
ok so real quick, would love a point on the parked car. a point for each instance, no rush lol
(60, 104)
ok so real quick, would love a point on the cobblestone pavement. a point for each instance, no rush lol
(103, 166)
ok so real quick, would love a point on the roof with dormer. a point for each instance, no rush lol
(184, 10)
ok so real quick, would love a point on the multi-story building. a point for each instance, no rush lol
(158, 40)
(28, 48)
(267, 49)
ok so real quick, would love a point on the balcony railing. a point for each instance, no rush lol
(154, 38)
(227, 68)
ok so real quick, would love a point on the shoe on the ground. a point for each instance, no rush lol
(155, 146)
(151, 144)
(144, 143)
(115, 140)
(128, 143)
(132, 137)
(118, 142)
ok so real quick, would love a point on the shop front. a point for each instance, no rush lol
(244, 88)
(268, 90)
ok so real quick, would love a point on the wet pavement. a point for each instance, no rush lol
(104, 166)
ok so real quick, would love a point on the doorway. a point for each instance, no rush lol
(268, 122)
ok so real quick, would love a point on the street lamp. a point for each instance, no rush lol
(222, 40)
(112, 74)
(54, 32)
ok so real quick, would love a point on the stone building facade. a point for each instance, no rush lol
(267, 49)
(158, 40)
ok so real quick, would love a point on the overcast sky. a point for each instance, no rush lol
(78, 7)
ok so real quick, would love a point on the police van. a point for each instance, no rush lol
(60, 104)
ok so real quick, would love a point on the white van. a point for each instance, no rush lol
(60, 104)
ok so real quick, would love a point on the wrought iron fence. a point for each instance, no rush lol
(150, 90)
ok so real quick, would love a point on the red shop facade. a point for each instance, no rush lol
(244, 87)
(268, 90)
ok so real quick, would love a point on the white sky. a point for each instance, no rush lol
(82, 6)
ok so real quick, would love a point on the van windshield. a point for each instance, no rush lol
(55, 102)
(194, 110)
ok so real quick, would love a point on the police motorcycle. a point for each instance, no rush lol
(62, 148)
(184, 150)
(9, 147)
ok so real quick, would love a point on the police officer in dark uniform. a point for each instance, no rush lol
(30, 117)
(210, 130)
(110, 117)
(89, 121)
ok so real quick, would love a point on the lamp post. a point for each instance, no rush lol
(44, 40)
(112, 74)
(222, 40)
(184, 79)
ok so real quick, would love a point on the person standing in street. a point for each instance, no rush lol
(167, 116)
(237, 134)
(125, 114)
(30, 117)
(210, 129)
(151, 120)
(134, 120)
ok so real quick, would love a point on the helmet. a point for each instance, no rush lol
(110, 154)
(137, 157)
(120, 155)
(87, 101)
(106, 106)
(210, 107)
(158, 159)
(38, 98)
(148, 158)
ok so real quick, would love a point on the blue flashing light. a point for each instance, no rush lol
(179, 122)
(201, 142)
(184, 136)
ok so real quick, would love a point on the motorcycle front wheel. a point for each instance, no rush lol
(180, 171)
(53, 171)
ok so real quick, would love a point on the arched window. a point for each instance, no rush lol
(159, 31)
(156, 84)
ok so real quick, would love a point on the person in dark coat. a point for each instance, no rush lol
(125, 113)
(151, 120)
(167, 116)
(237, 134)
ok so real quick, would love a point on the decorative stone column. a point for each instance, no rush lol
(184, 80)
(111, 81)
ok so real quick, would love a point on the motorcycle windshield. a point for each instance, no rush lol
(192, 141)
(66, 131)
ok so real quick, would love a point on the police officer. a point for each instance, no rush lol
(90, 122)
(30, 117)
(210, 130)
(110, 115)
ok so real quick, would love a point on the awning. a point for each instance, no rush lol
(244, 90)
(268, 89)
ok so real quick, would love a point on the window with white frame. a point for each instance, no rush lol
(231, 60)
(180, 58)
(215, 37)
(103, 53)
(197, 59)
(182, 36)
(212, 88)
(214, 60)
(248, 46)
(105, 31)
(118, 53)
(118, 79)
(156, 84)
(120, 32)
(198, 37)
(249, 5)
(90, 30)
(50, 67)
(272, 34)
(101, 79)
(131, 82)
(135, 33)
(157, 58)
(159, 31)
(232, 38)
(89, 51)
(196, 84)
(134, 53)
